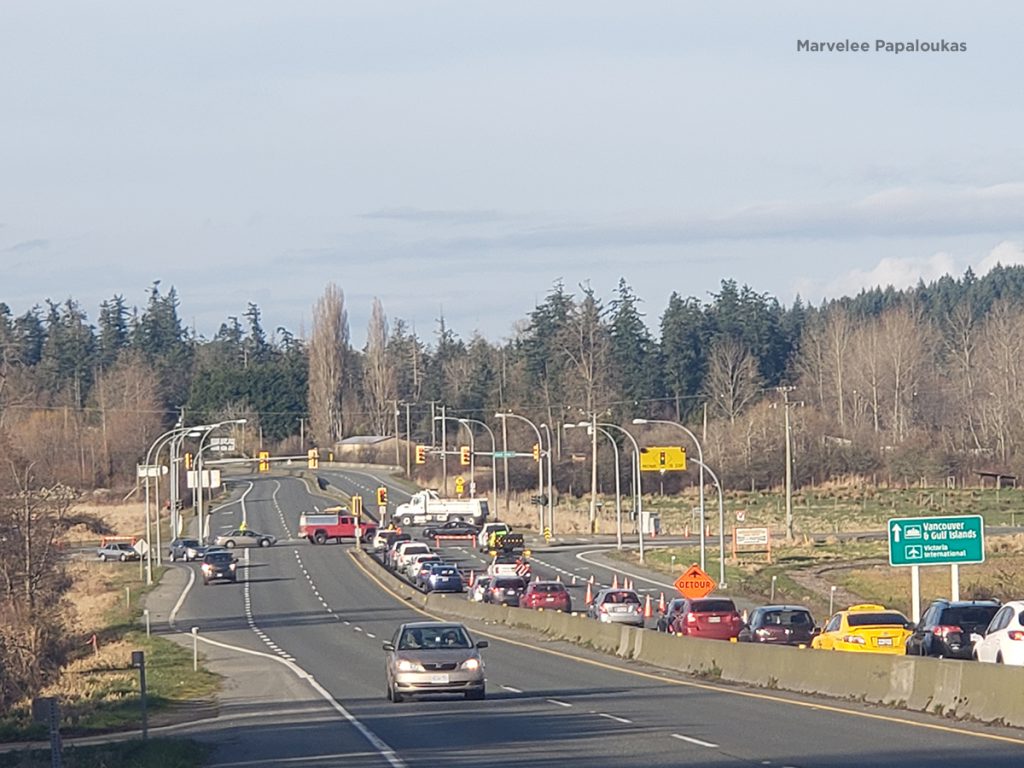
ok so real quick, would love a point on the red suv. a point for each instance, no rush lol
(715, 618)
(546, 594)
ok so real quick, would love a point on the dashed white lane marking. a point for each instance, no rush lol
(692, 740)
(510, 688)
(559, 703)
(614, 717)
(358, 629)
(370, 634)
(280, 512)
(250, 618)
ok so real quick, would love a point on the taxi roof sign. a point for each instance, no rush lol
(694, 583)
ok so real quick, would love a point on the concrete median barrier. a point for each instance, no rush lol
(959, 689)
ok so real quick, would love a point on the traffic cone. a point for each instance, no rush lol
(661, 603)
(472, 577)
(615, 581)
(648, 609)
(574, 579)
(589, 597)
(591, 579)
(744, 615)
(628, 584)
(558, 578)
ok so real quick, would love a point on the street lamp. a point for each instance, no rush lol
(551, 497)
(618, 492)
(639, 489)
(721, 524)
(540, 465)
(700, 456)
(494, 447)
(199, 470)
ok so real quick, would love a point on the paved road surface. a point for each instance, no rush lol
(548, 703)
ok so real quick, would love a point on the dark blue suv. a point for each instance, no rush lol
(945, 628)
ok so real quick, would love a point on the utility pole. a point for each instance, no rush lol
(302, 434)
(444, 453)
(398, 448)
(593, 471)
(789, 464)
(408, 443)
(504, 452)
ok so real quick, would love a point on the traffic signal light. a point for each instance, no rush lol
(188, 461)
(536, 451)
(421, 454)
(382, 496)
(264, 461)
(464, 455)
(313, 458)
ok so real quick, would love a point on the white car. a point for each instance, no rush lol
(476, 592)
(1003, 641)
(413, 563)
(406, 551)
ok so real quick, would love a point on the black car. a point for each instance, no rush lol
(945, 628)
(451, 528)
(179, 548)
(672, 610)
(779, 625)
(219, 566)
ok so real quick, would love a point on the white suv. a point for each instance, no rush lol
(1003, 642)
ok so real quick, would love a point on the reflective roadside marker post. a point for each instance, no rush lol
(195, 649)
(145, 614)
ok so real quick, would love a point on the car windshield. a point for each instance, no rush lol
(876, 619)
(621, 597)
(787, 619)
(219, 557)
(189, 542)
(968, 615)
(712, 606)
(509, 584)
(433, 638)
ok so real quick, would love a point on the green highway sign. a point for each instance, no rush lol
(505, 454)
(936, 540)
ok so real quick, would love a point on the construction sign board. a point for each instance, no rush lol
(694, 583)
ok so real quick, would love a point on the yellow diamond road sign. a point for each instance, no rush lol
(662, 458)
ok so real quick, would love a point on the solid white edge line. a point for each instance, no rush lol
(375, 741)
(692, 740)
(633, 576)
(615, 718)
(559, 703)
(510, 688)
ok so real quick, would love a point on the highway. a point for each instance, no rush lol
(548, 703)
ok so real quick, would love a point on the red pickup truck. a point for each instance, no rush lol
(321, 528)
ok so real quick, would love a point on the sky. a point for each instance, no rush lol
(459, 159)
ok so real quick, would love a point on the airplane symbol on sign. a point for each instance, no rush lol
(914, 552)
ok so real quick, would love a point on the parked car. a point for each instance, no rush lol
(865, 628)
(179, 549)
(443, 577)
(479, 589)
(779, 625)
(219, 566)
(1003, 641)
(672, 610)
(617, 606)
(546, 594)
(713, 618)
(245, 538)
(117, 550)
(451, 528)
(505, 590)
(431, 657)
(946, 627)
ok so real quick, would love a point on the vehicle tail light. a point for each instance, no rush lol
(1015, 634)
(762, 632)
(691, 618)
(945, 630)
(603, 608)
(854, 639)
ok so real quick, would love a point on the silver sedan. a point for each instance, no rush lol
(430, 657)
(245, 538)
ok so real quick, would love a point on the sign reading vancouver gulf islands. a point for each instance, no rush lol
(939, 46)
(936, 540)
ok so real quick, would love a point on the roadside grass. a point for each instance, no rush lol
(832, 509)
(99, 690)
(859, 567)
(154, 753)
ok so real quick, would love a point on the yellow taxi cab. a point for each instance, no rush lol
(865, 628)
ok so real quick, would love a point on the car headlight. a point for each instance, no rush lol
(471, 664)
(404, 665)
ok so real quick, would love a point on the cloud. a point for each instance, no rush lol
(28, 245)
(1007, 254)
(411, 214)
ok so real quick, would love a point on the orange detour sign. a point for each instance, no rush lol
(695, 584)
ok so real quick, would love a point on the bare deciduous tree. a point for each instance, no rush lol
(379, 381)
(328, 352)
(732, 381)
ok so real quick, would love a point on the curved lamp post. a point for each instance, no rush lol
(618, 492)
(494, 447)
(540, 465)
(639, 488)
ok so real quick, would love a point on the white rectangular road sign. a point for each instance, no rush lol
(752, 537)
(222, 444)
(150, 470)
(211, 478)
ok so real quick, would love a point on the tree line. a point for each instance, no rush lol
(889, 384)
